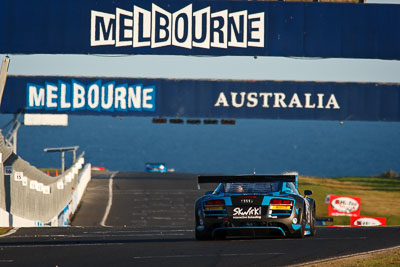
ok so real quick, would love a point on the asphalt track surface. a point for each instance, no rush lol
(149, 221)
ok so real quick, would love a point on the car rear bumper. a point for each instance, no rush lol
(264, 226)
(251, 231)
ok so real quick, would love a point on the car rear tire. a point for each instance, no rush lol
(313, 230)
(205, 234)
(300, 233)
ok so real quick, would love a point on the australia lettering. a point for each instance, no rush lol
(96, 96)
(184, 28)
(276, 100)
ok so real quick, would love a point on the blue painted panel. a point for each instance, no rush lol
(243, 28)
(202, 98)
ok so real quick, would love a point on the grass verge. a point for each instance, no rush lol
(390, 257)
(378, 195)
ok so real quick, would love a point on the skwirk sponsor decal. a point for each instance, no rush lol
(184, 28)
(96, 96)
(250, 213)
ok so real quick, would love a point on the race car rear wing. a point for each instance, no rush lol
(203, 179)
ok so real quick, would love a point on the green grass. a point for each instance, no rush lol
(379, 196)
(389, 257)
(375, 183)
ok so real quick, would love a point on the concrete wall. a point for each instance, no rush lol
(29, 197)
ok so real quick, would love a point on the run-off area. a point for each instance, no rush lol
(140, 200)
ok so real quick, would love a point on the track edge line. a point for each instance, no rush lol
(109, 203)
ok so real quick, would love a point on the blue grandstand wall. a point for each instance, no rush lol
(202, 98)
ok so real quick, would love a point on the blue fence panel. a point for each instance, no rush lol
(214, 28)
(202, 98)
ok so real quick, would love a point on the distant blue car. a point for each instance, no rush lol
(254, 205)
(155, 167)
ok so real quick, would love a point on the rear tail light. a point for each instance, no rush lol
(217, 204)
(279, 203)
(214, 202)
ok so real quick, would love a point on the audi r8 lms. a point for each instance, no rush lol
(254, 205)
(155, 167)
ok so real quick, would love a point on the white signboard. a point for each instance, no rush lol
(46, 189)
(60, 185)
(18, 176)
(33, 185)
(24, 180)
(39, 187)
(46, 119)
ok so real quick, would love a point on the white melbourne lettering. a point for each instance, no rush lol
(276, 100)
(184, 28)
(96, 96)
(35, 96)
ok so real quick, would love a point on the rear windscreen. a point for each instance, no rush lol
(260, 188)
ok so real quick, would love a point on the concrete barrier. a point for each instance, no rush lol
(29, 197)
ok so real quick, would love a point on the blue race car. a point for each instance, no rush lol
(254, 205)
(155, 167)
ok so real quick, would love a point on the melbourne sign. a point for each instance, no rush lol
(201, 98)
(64, 97)
(213, 28)
(185, 28)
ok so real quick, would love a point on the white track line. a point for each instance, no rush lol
(207, 255)
(110, 196)
(60, 245)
